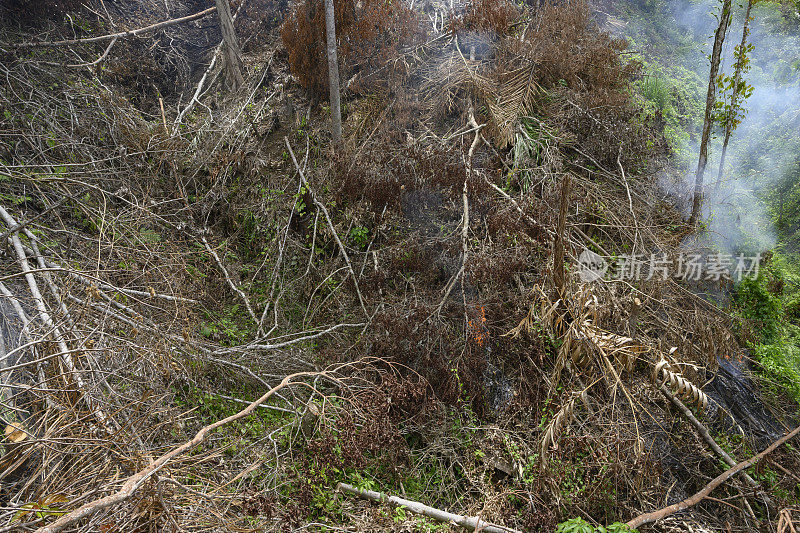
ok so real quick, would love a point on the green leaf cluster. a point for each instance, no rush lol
(579, 525)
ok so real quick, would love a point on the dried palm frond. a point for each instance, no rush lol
(444, 76)
(508, 91)
(582, 341)
(577, 347)
(664, 373)
(624, 349)
(526, 325)
(508, 95)
(559, 424)
(546, 314)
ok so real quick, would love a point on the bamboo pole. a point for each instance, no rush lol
(473, 523)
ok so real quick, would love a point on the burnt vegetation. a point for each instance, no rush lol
(182, 256)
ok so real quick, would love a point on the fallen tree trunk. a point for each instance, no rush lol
(473, 523)
(714, 483)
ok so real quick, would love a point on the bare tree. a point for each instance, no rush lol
(233, 55)
(333, 71)
(739, 92)
(716, 53)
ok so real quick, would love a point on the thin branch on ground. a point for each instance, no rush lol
(134, 482)
(327, 215)
(647, 518)
(119, 35)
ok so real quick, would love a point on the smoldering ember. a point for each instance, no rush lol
(400, 266)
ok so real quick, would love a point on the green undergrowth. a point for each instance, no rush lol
(440, 475)
(404, 468)
(675, 93)
(242, 438)
(769, 308)
(227, 325)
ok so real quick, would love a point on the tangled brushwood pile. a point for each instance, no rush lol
(209, 319)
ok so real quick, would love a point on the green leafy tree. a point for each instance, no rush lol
(716, 54)
(729, 110)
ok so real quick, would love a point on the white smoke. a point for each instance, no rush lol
(765, 143)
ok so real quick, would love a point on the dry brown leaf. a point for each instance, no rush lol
(15, 433)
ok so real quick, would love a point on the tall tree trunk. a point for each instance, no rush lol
(737, 86)
(333, 72)
(559, 274)
(233, 55)
(719, 38)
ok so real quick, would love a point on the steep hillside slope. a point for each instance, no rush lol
(483, 300)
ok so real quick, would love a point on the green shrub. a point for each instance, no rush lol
(769, 305)
(575, 525)
(579, 525)
(781, 360)
(658, 90)
(757, 305)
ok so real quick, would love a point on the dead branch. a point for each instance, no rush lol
(785, 522)
(527, 217)
(91, 281)
(17, 227)
(199, 90)
(473, 523)
(559, 276)
(58, 336)
(257, 345)
(99, 59)
(630, 200)
(703, 431)
(134, 482)
(279, 260)
(716, 482)
(121, 34)
(324, 210)
(230, 282)
(465, 217)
